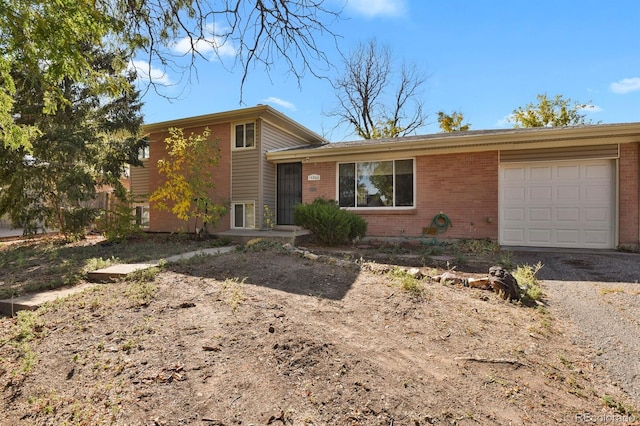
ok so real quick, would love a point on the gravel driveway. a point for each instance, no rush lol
(599, 294)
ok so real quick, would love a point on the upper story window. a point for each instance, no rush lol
(143, 153)
(376, 184)
(245, 135)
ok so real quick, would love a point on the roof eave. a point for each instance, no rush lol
(259, 111)
(538, 138)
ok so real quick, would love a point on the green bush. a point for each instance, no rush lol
(119, 223)
(76, 220)
(329, 222)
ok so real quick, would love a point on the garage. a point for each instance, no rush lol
(561, 203)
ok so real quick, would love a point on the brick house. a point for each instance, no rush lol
(544, 187)
(243, 178)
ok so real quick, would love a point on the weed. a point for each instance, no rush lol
(233, 292)
(261, 244)
(128, 345)
(611, 290)
(95, 263)
(29, 325)
(95, 304)
(141, 292)
(28, 359)
(476, 246)
(432, 247)
(408, 283)
(620, 408)
(565, 361)
(143, 275)
(526, 277)
(269, 217)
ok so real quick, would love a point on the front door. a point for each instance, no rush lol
(289, 191)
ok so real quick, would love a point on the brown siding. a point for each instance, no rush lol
(629, 227)
(244, 175)
(561, 153)
(139, 178)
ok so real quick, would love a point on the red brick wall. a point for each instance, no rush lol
(325, 187)
(462, 186)
(628, 190)
(164, 221)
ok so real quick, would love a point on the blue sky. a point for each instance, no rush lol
(483, 58)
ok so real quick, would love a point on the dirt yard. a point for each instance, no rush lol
(268, 337)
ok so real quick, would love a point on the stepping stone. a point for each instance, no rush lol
(114, 272)
(34, 300)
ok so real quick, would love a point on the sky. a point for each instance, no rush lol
(482, 58)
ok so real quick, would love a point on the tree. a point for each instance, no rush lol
(46, 38)
(186, 191)
(82, 144)
(453, 122)
(550, 113)
(376, 99)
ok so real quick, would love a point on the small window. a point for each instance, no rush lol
(142, 216)
(245, 135)
(143, 153)
(243, 215)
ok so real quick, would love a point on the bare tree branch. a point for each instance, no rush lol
(261, 32)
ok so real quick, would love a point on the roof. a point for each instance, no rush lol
(468, 141)
(260, 111)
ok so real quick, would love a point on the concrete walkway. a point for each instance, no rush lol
(35, 300)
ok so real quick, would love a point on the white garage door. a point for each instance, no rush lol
(558, 204)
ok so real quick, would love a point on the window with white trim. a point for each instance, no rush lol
(376, 184)
(245, 136)
(244, 215)
(143, 153)
(142, 215)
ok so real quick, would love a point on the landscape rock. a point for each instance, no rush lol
(310, 256)
(503, 283)
(415, 273)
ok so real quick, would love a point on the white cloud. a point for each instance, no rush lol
(373, 8)
(506, 121)
(281, 102)
(147, 72)
(590, 108)
(626, 85)
(209, 46)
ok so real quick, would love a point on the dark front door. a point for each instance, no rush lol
(289, 191)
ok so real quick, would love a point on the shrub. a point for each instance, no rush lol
(329, 222)
(526, 277)
(76, 221)
(119, 223)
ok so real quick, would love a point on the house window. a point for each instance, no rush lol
(245, 135)
(143, 153)
(142, 216)
(376, 184)
(243, 215)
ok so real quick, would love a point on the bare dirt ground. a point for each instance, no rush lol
(271, 338)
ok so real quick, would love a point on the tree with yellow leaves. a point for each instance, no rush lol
(189, 182)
